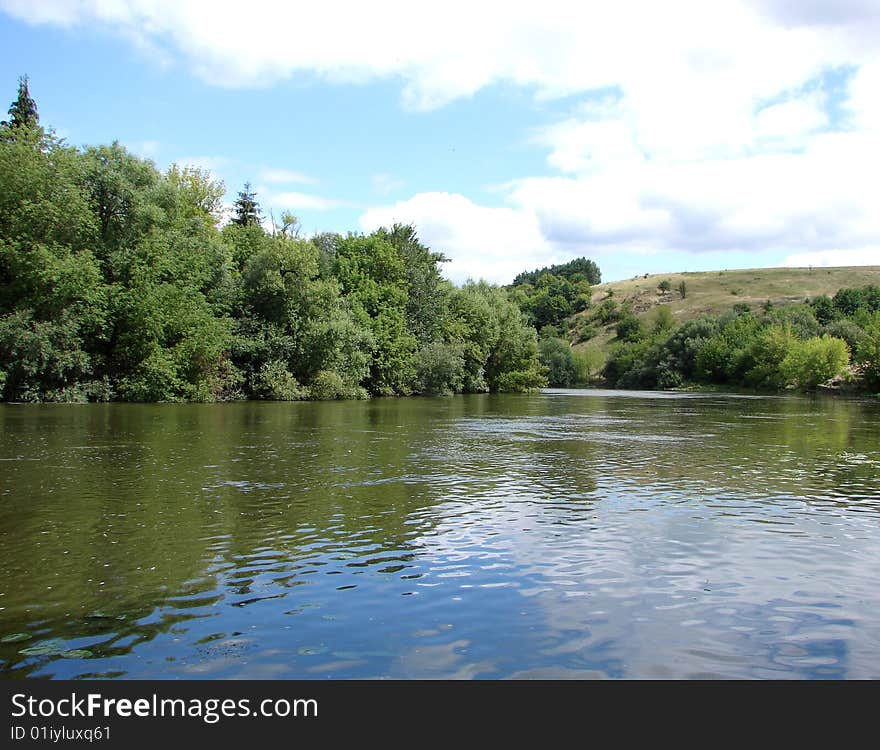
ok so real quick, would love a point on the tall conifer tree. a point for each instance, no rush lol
(23, 111)
(247, 210)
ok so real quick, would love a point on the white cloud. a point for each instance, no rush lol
(791, 119)
(301, 201)
(829, 258)
(277, 176)
(661, 54)
(482, 242)
(214, 164)
(384, 183)
(685, 154)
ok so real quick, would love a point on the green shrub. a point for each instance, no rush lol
(814, 361)
(558, 359)
(630, 328)
(440, 369)
(847, 330)
(275, 383)
(588, 364)
(584, 329)
(519, 381)
(665, 285)
(663, 320)
(608, 311)
(768, 353)
(328, 385)
(867, 355)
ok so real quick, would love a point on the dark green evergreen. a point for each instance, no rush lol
(247, 210)
(23, 111)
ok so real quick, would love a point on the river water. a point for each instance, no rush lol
(566, 534)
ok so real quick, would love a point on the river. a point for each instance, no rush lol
(564, 534)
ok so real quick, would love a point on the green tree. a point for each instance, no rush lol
(814, 361)
(247, 210)
(630, 328)
(558, 359)
(867, 355)
(22, 111)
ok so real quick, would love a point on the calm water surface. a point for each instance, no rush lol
(564, 534)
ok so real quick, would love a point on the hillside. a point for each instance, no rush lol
(714, 292)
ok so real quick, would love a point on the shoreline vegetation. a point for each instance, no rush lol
(119, 282)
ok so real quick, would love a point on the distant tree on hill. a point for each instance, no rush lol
(579, 269)
(247, 210)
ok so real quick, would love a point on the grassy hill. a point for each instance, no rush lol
(714, 292)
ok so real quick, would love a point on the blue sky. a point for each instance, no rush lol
(651, 140)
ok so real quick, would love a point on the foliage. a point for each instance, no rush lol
(116, 283)
(441, 369)
(275, 383)
(548, 296)
(559, 360)
(630, 328)
(867, 355)
(814, 361)
(663, 320)
(588, 364)
(247, 210)
(577, 270)
(608, 311)
(23, 111)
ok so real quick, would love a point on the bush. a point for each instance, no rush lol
(440, 369)
(630, 328)
(867, 355)
(665, 285)
(814, 361)
(768, 353)
(584, 330)
(588, 364)
(663, 319)
(801, 318)
(847, 330)
(42, 360)
(632, 365)
(823, 309)
(275, 383)
(608, 311)
(519, 381)
(683, 289)
(558, 359)
(329, 385)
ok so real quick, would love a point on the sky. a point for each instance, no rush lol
(651, 137)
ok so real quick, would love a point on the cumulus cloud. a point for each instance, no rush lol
(301, 201)
(278, 176)
(830, 258)
(704, 127)
(384, 183)
(450, 50)
(493, 243)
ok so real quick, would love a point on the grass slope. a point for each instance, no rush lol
(714, 292)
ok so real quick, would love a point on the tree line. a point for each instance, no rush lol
(799, 346)
(122, 282)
